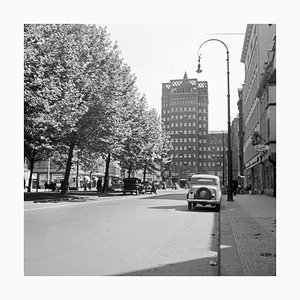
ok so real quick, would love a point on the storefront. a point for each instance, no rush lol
(253, 178)
(268, 171)
(268, 175)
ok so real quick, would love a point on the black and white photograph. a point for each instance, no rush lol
(147, 154)
(189, 189)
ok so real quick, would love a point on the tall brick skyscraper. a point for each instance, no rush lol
(185, 117)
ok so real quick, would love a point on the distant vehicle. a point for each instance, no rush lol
(132, 185)
(205, 190)
(182, 183)
(147, 187)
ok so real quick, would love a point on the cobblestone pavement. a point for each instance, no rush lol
(248, 236)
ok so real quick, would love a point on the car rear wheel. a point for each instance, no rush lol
(189, 205)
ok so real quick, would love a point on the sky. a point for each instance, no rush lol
(160, 53)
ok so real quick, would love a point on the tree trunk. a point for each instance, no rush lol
(129, 171)
(145, 171)
(31, 170)
(64, 187)
(91, 181)
(106, 176)
(77, 174)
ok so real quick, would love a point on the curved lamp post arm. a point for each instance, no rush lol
(217, 40)
(199, 55)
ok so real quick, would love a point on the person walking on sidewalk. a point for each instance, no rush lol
(153, 189)
(235, 185)
(99, 186)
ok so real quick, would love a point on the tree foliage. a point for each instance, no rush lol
(80, 96)
(145, 145)
(73, 81)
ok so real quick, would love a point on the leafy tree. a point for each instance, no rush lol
(35, 152)
(69, 71)
(156, 145)
(164, 157)
(80, 96)
(145, 143)
(131, 145)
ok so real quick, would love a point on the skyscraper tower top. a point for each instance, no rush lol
(185, 85)
(185, 76)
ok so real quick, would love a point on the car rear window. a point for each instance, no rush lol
(204, 181)
(130, 180)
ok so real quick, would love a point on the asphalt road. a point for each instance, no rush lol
(121, 235)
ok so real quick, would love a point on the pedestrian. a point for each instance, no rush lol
(235, 185)
(153, 189)
(99, 186)
(239, 187)
(46, 186)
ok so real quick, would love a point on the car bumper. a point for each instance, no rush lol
(203, 201)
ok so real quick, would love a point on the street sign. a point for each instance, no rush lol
(262, 148)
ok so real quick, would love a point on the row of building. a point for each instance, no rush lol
(258, 98)
(48, 171)
(195, 149)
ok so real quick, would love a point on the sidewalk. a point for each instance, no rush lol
(81, 195)
(248, 236)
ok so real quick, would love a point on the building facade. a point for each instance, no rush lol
(267, 98)
(241, 133)
(217, 155)
(185, 117)
(235, 146)
(258, 106)
(48, 171)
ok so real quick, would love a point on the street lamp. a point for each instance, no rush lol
(229, 152)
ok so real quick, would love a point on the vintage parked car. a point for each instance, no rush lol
(204, 189)
(147, 187)
(132, 185)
